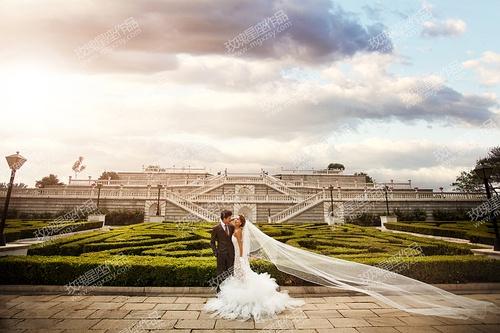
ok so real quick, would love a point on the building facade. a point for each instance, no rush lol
(289, 196)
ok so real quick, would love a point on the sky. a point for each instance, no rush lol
(397, 89)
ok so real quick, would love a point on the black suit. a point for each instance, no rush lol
(224, 249)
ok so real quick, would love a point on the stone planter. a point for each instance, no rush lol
(14, 249)
(157, 219)
(334, 220)
(487, 252)
(386, 219)
(97, 218)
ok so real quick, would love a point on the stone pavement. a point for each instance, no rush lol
(181, 314)
(448, 239)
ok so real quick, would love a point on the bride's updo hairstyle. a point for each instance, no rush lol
(242, 220)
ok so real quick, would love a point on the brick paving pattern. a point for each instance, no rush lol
(182, 314)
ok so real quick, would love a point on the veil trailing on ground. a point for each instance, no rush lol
(396, 290)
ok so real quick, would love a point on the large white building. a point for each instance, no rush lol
(287, 196)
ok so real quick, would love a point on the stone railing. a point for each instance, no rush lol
(243, 179)
(244, 198)
(152, 192)
(138, 182)
(297, 209)
(346, 185)
(205, 186)
(281, 187)
(191, 207)
(232, 179)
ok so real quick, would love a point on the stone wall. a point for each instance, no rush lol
(58, 205)
(173, 212)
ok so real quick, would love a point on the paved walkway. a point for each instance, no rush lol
(320, 314)
(36, 240)
(448, 239)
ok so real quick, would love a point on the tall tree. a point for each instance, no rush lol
(50, 180)
(109, 174)
(367, 178)
(78, 166)
(493, 159)
(468, 181)
(336, 166)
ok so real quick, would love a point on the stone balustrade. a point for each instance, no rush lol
(149, 193)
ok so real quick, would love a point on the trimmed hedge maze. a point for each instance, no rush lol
(170, 240)
(169, 254)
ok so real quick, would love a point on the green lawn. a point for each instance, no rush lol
(171, 255)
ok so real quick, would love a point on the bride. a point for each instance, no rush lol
(246, 294)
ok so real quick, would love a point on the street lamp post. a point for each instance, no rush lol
(99, 186)
(331, 199)
(484, 171)
(158, 202)
(15, 162)
(386, 189)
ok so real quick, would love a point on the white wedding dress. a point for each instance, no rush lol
(247, 294)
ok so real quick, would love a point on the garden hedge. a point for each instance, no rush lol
(450, 215)
(123, 217)
(412, 215)
(165, 271)
(171, 254)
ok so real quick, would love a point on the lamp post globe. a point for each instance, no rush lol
(15, 162)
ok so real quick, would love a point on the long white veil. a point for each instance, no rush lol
(396, 290)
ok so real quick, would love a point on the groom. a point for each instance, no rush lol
(222, 245)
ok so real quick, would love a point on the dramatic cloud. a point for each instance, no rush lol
(360, 88)
(208, 95)
(320, 31)
(382, 158)
(449, 27)
(487, 68)
(373, 12)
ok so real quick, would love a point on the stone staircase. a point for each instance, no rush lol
(191, 207)
(298, 208)
(279, 186)
(206, 186)
(303, 203)
(216, 181)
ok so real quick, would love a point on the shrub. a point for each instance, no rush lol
(365, 219)
(11, 213)
(124, 217)
(36, 216)
(412, 215)
(449, 269)
(48, 216)
(481, 238)
(450, 215)
(173, 272)
(164, 255)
